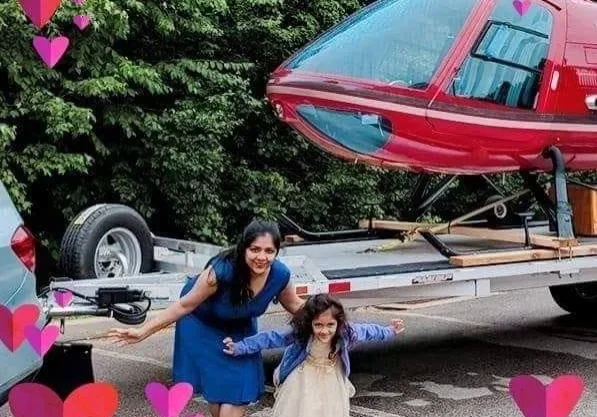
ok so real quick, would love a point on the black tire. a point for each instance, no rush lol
(578, 299)
(83, 234)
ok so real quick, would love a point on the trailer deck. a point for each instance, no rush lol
(415, 269)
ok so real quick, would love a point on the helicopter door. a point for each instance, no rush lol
(497, 83)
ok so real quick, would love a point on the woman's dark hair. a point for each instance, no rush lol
(240, 289)
(301, 322)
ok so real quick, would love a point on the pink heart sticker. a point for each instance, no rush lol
(522, 6)
(50, 51)
(13, 324)
(169, 402)
(82, 21)
(42, 340)
(558, 399)
(63, 298)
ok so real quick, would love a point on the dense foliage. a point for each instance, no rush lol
(160, 105)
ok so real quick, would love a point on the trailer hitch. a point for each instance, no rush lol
(120, 303)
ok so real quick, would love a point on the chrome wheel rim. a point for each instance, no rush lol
(117, 254)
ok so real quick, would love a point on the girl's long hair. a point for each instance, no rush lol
(240, 289)
(301, 322)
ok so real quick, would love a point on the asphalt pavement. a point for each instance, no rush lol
(454, 359)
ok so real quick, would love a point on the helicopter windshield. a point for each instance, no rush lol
(399, 42)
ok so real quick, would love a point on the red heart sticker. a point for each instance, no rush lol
(90, 400)
(13, 324)
(40, 11)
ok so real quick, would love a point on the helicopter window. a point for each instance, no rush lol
(399, 42)
(360, 132)
(507, 61)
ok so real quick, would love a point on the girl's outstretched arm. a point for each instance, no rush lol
(368, 332)
(259, 342)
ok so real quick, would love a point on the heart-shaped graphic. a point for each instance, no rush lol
(50, 51)
(41, 340)
(82, 21)
(13, 324)
(40, 11)
(169, 402)
(558, 399)
(63, 298)
(97, 399)
(522, 6)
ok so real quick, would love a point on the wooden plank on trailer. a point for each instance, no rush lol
(582, 250)
(293, 239)
(396, 225)
(522, 255)
(512, 236)
(504, 257)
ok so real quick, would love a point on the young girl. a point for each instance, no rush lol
(312, 378)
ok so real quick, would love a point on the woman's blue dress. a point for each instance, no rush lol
(199, 357)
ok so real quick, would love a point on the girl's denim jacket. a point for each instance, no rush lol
(295, 352)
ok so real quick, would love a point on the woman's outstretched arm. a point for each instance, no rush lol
(289, 300)
(205, 286)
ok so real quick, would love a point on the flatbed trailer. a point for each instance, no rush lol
(415, 270)
(110, 239)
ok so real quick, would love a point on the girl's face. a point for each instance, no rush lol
(324, 326)
(260, 254)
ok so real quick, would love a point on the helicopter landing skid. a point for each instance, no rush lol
(558, 213)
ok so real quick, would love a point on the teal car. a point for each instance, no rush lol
(17, 288)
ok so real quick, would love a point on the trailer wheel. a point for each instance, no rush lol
(578, 299)
(105, 241)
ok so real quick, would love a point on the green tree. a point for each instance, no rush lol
(160, 105)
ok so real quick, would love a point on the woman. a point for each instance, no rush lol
(225, 299)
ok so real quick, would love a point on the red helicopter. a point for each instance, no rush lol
(457, 87)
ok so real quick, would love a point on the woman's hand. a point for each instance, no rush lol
(204, 287)
(398, 325)
(229, 350)
(126, 336)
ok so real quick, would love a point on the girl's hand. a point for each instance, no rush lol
(398, 325)
(229, 350)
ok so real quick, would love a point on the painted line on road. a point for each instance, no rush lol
(360, 412)
(527, 338)
(417, 306)
(134, 358)
(449, 319)
(370, 412)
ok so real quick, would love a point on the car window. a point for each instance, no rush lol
(506, 63)
(399, 42)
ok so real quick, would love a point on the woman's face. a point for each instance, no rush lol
(260, 254)
(325, 326)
